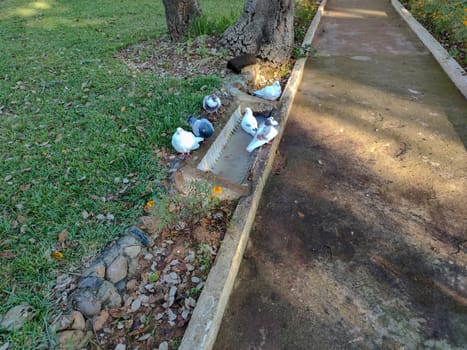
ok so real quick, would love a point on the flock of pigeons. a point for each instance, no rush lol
(186, 141)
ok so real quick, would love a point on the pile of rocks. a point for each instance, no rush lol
(138, 284)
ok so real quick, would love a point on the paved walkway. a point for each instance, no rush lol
(360, 238)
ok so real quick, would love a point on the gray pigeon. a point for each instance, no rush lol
(184, 142)
(249, 122)
(271, 92)
(201, 127)
(266, 132)
(211, 103)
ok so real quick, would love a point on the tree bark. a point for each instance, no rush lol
(265, 29)
(179, 14)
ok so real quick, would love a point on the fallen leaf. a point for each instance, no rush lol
(62, 236)
(57, 255)
(300, 215)
(7, 254)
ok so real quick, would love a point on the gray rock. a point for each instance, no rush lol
(17, 316)
(195, 279)
(91, 282)
(171, 315)
(159, 316)
(185, 314)
(74, 320)
(132, 251)
(172, 279)
(128, 241)
(171, 297)
(190, 257)
(87, 302)
(163, 346)
(120, 347)
(110, 254)
(190, 267)
(108, 295)
(121, 285)
(138, 234)
(97, 269)
(190, 302)
(117, 270)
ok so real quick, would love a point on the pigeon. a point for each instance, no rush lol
(266, 132)
(201, 127)
(249, 122)
(271, 92)
(184, 142)
(211, 103)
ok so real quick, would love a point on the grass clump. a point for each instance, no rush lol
(216, 17)
(446, 21)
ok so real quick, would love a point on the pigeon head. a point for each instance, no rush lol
(271, 121)
(191, 119)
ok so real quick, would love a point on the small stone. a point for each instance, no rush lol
(171, 298)
(100, 217)
(132, 251)
(172, 279)
(110, 254)
(174, 262)
(150, 224)
(117, 270)
(75, 339)
(128, 241)
(195, 279)
(172, 315)
(17, 316)
(96, 270)
(99, 321)
(190, 302)
(120, 347)
(159, 316)
(163, 346)
(91, 282)
(190, 267)
(132, 285)
(74, 320)
(109, 296)
(185, 314)
(120, 285)
(144, 337)
(87, 302)
(190, 257)
(148, 256)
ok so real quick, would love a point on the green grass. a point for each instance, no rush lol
(446, 21)
(79, 133)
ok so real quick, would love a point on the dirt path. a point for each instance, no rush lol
(360, 241)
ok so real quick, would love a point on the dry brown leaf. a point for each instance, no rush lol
(62, 236)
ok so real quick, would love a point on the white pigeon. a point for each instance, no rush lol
(271, 92)
(201, 127)
(184, 142)
(249, 122)
(266, 132)
(211, 103)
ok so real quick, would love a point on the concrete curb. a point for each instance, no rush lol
(455, 72)
(207, 317)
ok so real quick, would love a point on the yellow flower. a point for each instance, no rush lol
(150, 203)
(217, 190)
(57, 255)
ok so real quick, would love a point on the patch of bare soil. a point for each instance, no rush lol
(201, 56)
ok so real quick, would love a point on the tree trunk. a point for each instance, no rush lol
(265, 29)
(179, 14)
